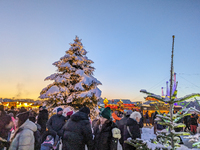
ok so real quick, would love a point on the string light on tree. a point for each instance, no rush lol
(74, 83)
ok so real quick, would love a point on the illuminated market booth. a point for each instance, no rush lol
(18, 103)
(120, 105)
(153, 104)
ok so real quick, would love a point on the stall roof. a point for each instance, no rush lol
(125, 101)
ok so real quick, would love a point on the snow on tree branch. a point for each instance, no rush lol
(73, 82)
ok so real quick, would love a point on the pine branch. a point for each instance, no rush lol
(186, 97)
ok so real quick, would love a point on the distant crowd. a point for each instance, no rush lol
(27, 130)
(190, 121)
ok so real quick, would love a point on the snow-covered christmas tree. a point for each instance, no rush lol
(74, 84)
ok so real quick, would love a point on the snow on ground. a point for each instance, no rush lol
(148, 133)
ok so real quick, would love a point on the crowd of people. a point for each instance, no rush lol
(27, 130)
(190, 121)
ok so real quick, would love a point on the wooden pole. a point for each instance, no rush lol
(171, 84)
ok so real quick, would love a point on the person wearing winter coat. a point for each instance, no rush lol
(115, 117)
(154, 122)
(6, 125)
(193, 123)
(106, 133)
(77, 131)
(69, 114)
(12, 110)
(186, 120)
(121, 125)
(42, 119)
(56, 122)
(180, 128)
(13, 120)
(132, 129)
(147, 118)
(23, 138)
(21, 110)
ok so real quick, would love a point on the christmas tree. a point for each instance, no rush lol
(168, 137)
(74, 84)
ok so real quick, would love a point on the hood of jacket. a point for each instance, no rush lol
(79, 116)
(131, 122)
(44, 111)
(29, 125)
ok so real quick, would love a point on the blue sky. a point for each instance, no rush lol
(129, 41)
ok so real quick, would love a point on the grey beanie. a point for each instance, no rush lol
(129, 112)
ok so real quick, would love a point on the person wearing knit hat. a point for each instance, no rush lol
(59, 110)
(69, 114)
(24, 135)
(106, 113)
(42, 119)
(106, 131)
(56, 122)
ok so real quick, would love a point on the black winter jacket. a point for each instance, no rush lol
(193, 120)
(121, 124)
(103, 139)
(56, 122)
(4, 120)
(135, 131)
(77, 132)
(42, 119)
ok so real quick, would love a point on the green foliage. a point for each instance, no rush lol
(138, 144)
(169, 137)
(197, 144)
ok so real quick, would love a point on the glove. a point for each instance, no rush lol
(129, 139)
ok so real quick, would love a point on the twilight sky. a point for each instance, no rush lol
(129, 41)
